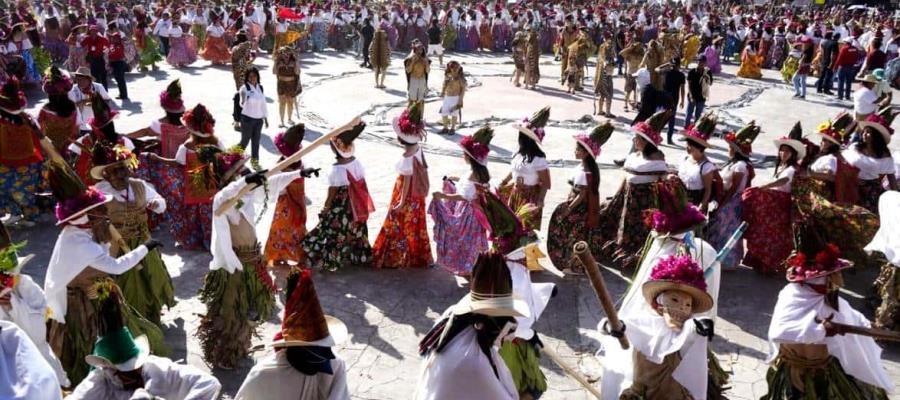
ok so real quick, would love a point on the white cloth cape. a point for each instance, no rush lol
(793, 321)
(24, 373)
(29, 306)
(461, 371)
(535, 295)
(273, 378)
(162, 378)
(649, 334)
(222, 252)
(74, 251)
(887, 239)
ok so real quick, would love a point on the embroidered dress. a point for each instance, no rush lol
(870, 172)
(342, 237)
(460, 232)
(77, 56)
(183, 49)
(570, 226)
(768, 237)
(215, 50)
(403, 240)
(621, 218)
(749, 65)
(525, 190)
(288, 230)
(729, 216)
(147, 288)
(83, 149)
(192, 225)
(167, 179)
(21, 169)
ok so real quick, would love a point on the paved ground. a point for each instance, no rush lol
(388, 311)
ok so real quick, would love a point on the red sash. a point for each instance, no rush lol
(419, 186)
(360, 201)
(846, 183)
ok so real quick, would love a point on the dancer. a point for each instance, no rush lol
(633, 53)
(29, 374)
(417, 67)
(696, 171)
(810, 352)
(237, 266)
(603, 84)
(452, 92)
(124, 369)
(380, 55)
(82, 93)
(149, 288)
(750, 62)
(342, 237)
(21, 161)
(303, 365)
(577, 218)
(146, 44)
(622, 216)
(460, 231)
(242, 57)
(519, 49)
(287, 72)
(183, 46)
(81, 258)
(532, 58)
(873, 159)
(215, 50)
(403, 239)
(59, 117)
(528, 182)
(887, 286)
(103, 131)
(577, 55)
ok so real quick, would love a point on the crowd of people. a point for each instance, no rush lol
(93, 331)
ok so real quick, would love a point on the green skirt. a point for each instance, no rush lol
(149, 287)
(150, 53)
(830, 382)
(523, 360)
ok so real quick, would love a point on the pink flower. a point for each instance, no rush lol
(682, 269)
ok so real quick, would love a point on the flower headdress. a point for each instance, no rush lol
(170, 99)
(681, 273)
(651, 128)
(596, 139)
(703, 130)
(673, 213)
(56, 82)
(290, 141)
(742, 140)
(478, 145)
(199, 121)
(410, 126)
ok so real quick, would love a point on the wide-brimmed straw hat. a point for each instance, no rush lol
(478, 145)
(490, 290)
(702, 131)
(593, 141)
(533, 127)
(881, 122)
(681, 273)
(83, 71)
(305, 324)
(105, 157)
(794, 141)
(409, 125)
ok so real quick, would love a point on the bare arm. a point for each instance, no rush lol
(707, 191)
(777, 182)
(332, 191)
(544, 182)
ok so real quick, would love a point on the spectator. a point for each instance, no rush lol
(828, 46)
(875, 58)
(96, 47)
(117, 59)
(699, 80)
(434, 41)
(865, 101)
(254, 113)
(799, 78)
(161, 30)
(81, 93)
(673, 85)
(367, 32)
(844, 67)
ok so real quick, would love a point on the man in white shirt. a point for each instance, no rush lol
(81, 93)
(161, 31)
(864, 99)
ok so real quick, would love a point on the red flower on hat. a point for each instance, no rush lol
(477, 149)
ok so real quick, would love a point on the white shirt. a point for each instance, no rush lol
(162, 28)
(728, 176)
(864, 101)
(405, 166)
(826, 164)
(253, 101)
(788, 173)
(76, 149)
(462, 371)
(181, 153)
(273, 378)
(26, 374)
(215, 31)
(175, 31)
(869, 168)
(580, 177)
(155, 202)
(691, 174)
(525, 172)
(162, 378)
(338, 175)
(85, 111)
(636, 162)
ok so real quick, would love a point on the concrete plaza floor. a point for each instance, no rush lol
(388, 311)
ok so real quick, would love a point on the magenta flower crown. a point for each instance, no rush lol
(538, 131)
(284, 147)
(85, 199)
(648, 131)
(170, 102)
(681, 269)
(693, 132)
(594, 146)
(475, 148)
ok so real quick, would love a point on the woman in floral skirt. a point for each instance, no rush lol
(285, 242)
(622, 220)
(403, 240)
(192, 226)
(577, 218)
(460, 228)
(59, 118)
(342, 237)
(737, 174)
(528, 182)
(215, 50)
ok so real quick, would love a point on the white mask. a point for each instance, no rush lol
(675, 306)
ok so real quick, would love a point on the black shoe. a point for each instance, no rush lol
(619, 163)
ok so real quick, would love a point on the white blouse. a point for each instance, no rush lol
(789, 173)
(467, 190)
(528, 171)
(405, 166)
(826, 164)
(215, 31)
(869, 168)
(728, 172)
(636, 162)
(580, 177)
(692, 174)
(338, 175)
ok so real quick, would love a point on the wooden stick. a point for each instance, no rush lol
(570, 371)
(582, 252)
(287, 162)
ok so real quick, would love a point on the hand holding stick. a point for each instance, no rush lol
(616, 327)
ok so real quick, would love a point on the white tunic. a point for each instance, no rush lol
(887, 239)
(826, 164)
(273, 378)
(525, 172)
(162, 378)
(462, 371)
(150, 194)
(636, 162)
(692, 173)
(26, 374)
(728, 176)
(405, 166)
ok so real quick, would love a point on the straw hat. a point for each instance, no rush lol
(170, 99)
(10, 263)
(343, 142)
(409, 125)
(85, 72)
(679, 273)
(305, 324)
(199, 121)
(490, 290)
(103, 114)
(116, 348)
(880, 122)
(814, 258)
(105, 157)
(596, 139)
(533, 128)
(701, 132)
(477, 146)
(794, 141)
(73, 198)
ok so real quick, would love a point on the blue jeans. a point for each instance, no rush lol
(694, 111)
(845, 80)
(251, 131)
(799, 81)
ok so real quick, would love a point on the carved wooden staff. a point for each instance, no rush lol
(287, 162)
(616, 327)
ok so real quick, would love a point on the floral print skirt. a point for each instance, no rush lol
(403, 240)
(337, 240)
(769, 237)
(19, 185)
(869, 192)
(567, 227)
(459, 236)
(518, 197)
(622, 223)
(285, 241)
(722, 225)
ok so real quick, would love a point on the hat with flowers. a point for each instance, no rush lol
(478, 145)
(170, 99)
(742, 140)
(673, 213)
(533, 127)
(596, 139)
(681, 273)
(651, 128)
(409, 125)
(701, 131)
